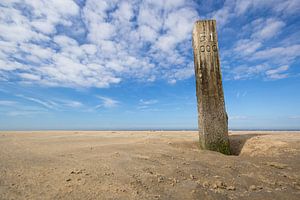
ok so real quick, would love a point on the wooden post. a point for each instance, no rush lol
(212, 116)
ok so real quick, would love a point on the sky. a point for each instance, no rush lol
(112, 64)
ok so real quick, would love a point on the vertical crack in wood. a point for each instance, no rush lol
(212, 116)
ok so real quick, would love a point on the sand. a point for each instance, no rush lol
(147, 165)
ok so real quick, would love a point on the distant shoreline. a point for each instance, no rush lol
(1, 130)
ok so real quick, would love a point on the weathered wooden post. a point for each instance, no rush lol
(212, 116)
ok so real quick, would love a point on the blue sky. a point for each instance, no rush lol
(113, 64)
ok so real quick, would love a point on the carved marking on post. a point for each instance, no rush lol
(212, 117)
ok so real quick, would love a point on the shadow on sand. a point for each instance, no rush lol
(237, 142)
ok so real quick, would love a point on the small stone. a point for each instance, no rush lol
(277, 165)
(192, 176)
(284, 175)
(160, 179)
(230, 188)
(68, 180)
(205, 184)
(185, 163)
(219, 184)
(214, 186)
(259, 187)
(252, 187)
(174, 180)
(193, 191)
(279, 183)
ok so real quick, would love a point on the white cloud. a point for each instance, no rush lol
(146, 105)
(23, 112)
(148, 102)
(107, 102)
(261, 30)
(282, 55)
(247, 46)
(238, 117)
(7, 103)
(267, 29)
(106, 42)
(49, 104)
(46, 104)
(253, 48)
(278, 73)
(278, 6)
(28, 76)
(287, 7)
(222, 15)
(114, 44)
(68, 103)
(247, 72)
(294, 117)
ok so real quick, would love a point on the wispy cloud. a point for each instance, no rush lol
(238, 117)
(148, 102)
(294, 117)
(247, 72)
(63, 103)
(107, 102)
(74, 104)
(241, 94)
(46, 104)
(278, 73)
(24, 113)
(147, 105)
(53, 103)
(257, 46)
(7, 103)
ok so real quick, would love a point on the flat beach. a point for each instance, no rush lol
(147, 165)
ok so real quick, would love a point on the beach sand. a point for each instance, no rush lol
(147, 165)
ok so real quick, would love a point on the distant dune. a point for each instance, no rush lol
(147, 165)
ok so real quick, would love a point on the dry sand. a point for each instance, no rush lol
(147, 165)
